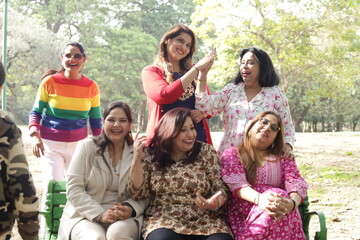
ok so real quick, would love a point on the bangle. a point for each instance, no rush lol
(196, 69)
(214, 210)
(294, 204)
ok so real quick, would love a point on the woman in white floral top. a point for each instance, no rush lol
(181, 177)
(254, 90)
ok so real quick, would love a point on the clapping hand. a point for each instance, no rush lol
(206, 62)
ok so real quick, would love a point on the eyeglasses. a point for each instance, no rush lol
(273, 127)
(76, 55)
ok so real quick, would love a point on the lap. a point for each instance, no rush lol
(127, 229)
(168, 234)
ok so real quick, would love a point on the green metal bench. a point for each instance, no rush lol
(56, 200)
(306, 216)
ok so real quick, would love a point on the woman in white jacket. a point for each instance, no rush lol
(98, 205)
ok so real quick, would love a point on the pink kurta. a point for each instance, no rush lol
(236, 111)
(247, 220)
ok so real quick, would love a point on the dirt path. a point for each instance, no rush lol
(330, 163)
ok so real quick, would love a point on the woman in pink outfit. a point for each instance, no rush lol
(266, 187)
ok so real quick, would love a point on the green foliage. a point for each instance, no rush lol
(314, 45)
(120, 38)
(121, 59)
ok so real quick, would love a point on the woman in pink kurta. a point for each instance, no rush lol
(254, 90)
(266, 187)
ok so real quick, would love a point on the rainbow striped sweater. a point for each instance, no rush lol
(63, 107)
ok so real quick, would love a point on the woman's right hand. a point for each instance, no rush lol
(206, 62)
(272, 203)
(37, 145)
(109, 216)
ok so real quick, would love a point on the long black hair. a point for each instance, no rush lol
(268, 75)
(102, 141)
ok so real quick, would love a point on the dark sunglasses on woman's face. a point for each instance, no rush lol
(76, 55)
(273, 127)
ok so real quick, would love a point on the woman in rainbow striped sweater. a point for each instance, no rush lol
(65, 101)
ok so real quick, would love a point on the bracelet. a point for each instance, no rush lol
(294, 204)
(219, 203)
(196, 69)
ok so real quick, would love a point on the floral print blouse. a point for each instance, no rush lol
(237, 111)
(172, 195)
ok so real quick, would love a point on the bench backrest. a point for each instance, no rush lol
(55, 202)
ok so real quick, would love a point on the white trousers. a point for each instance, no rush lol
(56, 159)
(121, 230)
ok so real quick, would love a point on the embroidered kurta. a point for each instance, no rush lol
(237, 111)
(173, 192)
(247, 220)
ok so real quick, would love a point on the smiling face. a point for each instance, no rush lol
(72, 59)
(264, 132)
(116, 125)
(184, 142)
(178, 47)
(250, 69)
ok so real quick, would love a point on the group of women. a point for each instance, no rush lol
(171, 183)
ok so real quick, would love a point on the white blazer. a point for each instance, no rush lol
(87, 180)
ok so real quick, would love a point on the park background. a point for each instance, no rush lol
(314, 45)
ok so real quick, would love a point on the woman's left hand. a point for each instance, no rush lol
(288, 151)
(213, 203)
(197, 115)
(279, 206)
(121, 212)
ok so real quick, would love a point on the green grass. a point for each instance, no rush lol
(334, 174)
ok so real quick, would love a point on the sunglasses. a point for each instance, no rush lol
(273, 127)
(76, 55)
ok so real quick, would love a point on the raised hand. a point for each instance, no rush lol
(206, 62)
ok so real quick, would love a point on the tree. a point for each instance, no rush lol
(303, 39)
(28, 56)
(116, 66)
(120, 37)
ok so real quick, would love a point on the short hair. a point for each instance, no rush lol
(268, 76)
(2, 74)
(166, 131)
(74, 44)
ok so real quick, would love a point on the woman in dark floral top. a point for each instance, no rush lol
(181, 176)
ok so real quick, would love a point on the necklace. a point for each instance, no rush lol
(115, 169)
